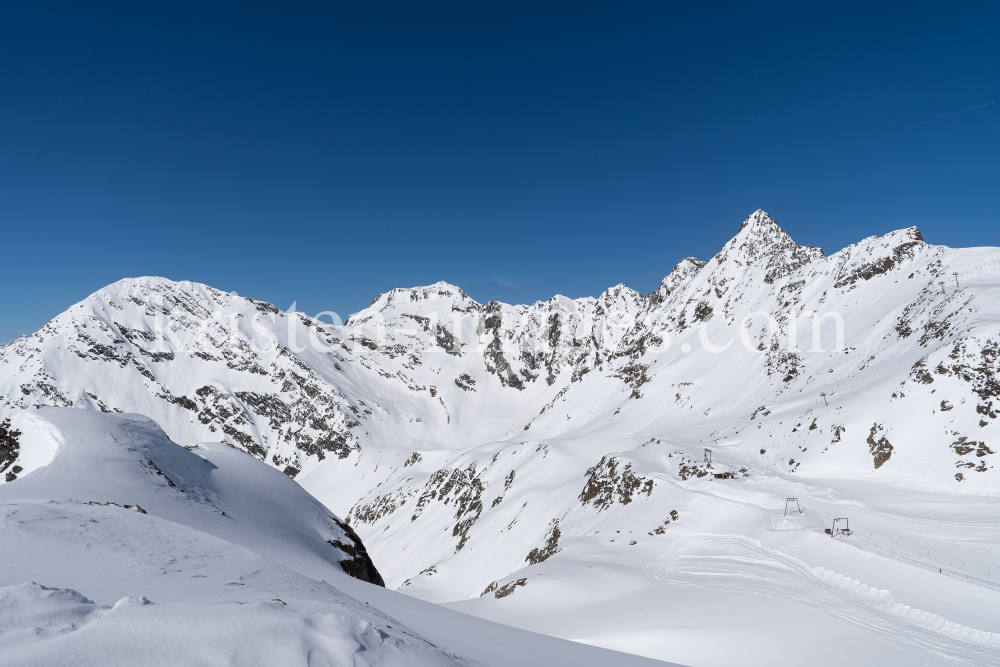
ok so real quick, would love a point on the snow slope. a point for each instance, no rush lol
(504, 459)
(201, 557)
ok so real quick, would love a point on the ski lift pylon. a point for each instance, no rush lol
(840, 527)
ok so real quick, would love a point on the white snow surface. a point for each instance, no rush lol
(201, 557)
(544, 465)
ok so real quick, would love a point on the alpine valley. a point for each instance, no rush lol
(667, 475)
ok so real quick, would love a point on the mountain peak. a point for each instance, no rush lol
(761, 242)
(760, 220)
(760, 233)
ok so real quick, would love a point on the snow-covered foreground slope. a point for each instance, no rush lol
(147, 553)
(546, 465)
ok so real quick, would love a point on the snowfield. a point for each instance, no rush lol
(233, 564)
(552, 466)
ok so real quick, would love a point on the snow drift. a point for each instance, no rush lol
(201, 557)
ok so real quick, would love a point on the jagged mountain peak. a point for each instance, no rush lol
(758, 218)
(760, 229)
(762, 243)
(619, 291)
(689, 263)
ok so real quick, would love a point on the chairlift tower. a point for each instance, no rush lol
(708, 455)
(955, 273)
(841, 527)
(788, 503)
(823, 394)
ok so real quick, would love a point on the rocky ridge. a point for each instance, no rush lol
(432, 420)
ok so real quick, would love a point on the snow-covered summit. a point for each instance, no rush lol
(762, 244)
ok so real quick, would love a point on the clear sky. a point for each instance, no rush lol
(325, 154)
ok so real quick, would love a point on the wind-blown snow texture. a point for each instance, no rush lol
(543, 464)
(201, 557)
(120, 502)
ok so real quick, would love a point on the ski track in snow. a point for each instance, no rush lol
(733, 562)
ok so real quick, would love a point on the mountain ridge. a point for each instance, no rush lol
(500, 444)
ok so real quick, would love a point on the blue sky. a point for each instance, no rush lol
(326, 154)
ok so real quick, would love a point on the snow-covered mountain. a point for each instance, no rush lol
(537, 464)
